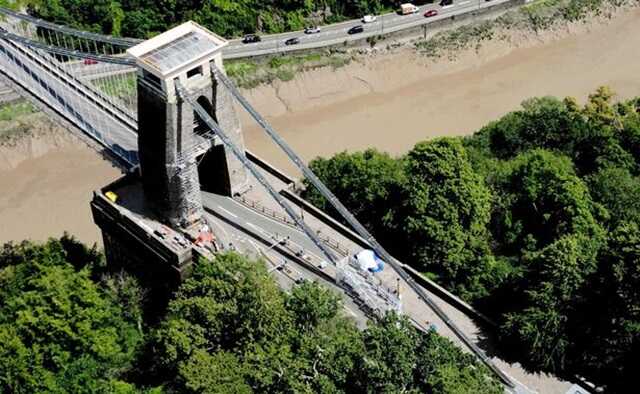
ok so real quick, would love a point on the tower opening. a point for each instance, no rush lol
(213, 169)
(199, 126)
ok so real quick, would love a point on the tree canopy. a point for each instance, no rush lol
(59, 330)
(231, 329)
(67, 324)
(446, 209)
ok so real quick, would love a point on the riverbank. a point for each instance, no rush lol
(394, 100)
(388, 101)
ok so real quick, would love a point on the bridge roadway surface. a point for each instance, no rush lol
(241, 223)
(338, 33)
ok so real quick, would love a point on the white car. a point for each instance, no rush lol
(369, 18)
(312, 30)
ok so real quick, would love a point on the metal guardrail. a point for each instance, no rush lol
(127, 61)
(258, 207)
(236, 50)
(24, 59)
(266, 211)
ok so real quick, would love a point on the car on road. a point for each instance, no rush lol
(445, 3)
(311, 30)
(356, 29)
(292, 41)
(88, 62)
(408, 9)
(369, 19)
(251, 38)
(430, 13)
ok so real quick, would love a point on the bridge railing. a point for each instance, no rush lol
(50, 88)
(99, 99)
(259, 207)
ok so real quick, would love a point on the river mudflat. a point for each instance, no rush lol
(388, 101)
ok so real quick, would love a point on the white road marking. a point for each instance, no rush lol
(257, 228)
(255, 246)
(227, 212)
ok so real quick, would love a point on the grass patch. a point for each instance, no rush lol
(15, 110)
(250, 73)
(123, 88)
(12, 124)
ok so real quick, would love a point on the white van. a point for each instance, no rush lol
(408, 8)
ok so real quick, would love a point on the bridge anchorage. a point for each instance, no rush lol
(164, 108)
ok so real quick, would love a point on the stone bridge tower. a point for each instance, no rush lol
(178, 156)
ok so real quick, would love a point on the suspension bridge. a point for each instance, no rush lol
(164, 110)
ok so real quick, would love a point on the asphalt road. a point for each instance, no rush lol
(259, 224)
(338, 33)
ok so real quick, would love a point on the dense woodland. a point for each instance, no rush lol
(67, 325)
(535, 219)
(144, 18)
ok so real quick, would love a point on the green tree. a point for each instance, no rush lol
(594, 136)
(390, 357)
(226, 304)
(446, 210)
(539, 200)
(546, 297)
(298, 342)
(542, 123)
(145, 18)
(61, 332)
(619, 192)
(607, 333)
(368, 183)
(334, 349)
(216, 373)
(312, 304)
(599, 143)
(444, 368)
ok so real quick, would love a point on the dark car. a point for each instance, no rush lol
(292, 41)
(444, 3)
(251, 38)
(89, 62)
(430, 13)
(356, 29)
